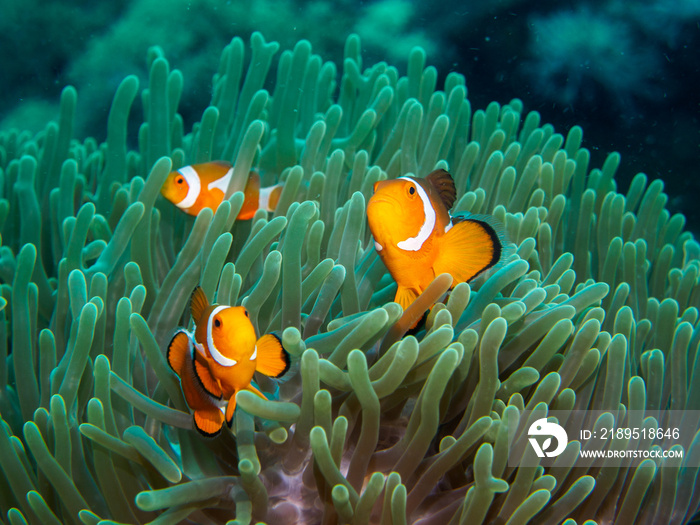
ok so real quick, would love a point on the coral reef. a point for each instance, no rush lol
(598, 309)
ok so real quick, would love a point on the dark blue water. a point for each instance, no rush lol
(627, 72)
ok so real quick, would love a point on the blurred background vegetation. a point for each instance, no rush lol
(625, 71)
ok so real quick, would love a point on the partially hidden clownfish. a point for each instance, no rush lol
(418, 239)
(193, 188)
(219, 359)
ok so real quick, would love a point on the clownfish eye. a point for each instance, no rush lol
(217, 323)
(246, 313)
(179, 180)
(411, 190)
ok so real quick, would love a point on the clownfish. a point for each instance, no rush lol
(193, 188)
(418, 239)
(219, 359)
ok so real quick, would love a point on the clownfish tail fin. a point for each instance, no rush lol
(208, 422)
(474, 244)
(273, 360)
(198, 303)
(179, 349)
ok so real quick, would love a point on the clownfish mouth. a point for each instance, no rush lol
(384, 197)
(380, 214)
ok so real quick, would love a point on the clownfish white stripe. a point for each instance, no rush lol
(192, 344)
(200, 348)
(222, 183)
(264, 199)
(378, 246)
(414, 244)
(194, 185)
(215, 354)
(255, 353)
(449, 226)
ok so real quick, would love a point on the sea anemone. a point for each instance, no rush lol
(596, 310)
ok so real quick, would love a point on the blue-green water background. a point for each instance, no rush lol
(626, 71)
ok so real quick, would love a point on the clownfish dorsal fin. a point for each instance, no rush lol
(198, 304)
(273, 359)
(445, 186)
(221, 163)
(179, 349)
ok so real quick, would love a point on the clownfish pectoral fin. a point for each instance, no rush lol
(256, 391)
(470, 247)
(179, 349)
(208, 422)
(273, 359)
(405, 296)
(445, 186)
(231, 409)
(198, 303)
(209, 384)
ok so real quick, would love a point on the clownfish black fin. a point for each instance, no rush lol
(206, 380)
(273, 360)
(198, 303)
(469, 248)
(208, 422)
(179, 349)
(445, 186)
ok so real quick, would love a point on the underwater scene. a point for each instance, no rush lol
(310, 262)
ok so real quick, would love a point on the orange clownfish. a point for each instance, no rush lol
(219, 359)
(193, 188)
(417, 239)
